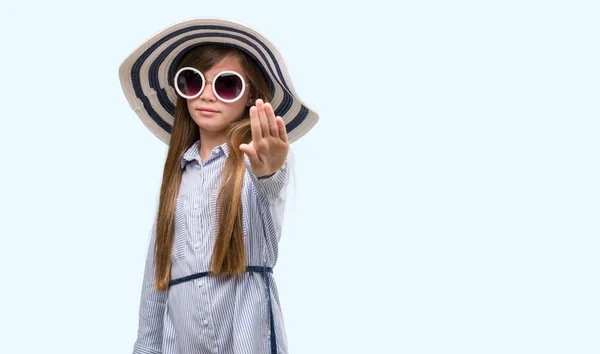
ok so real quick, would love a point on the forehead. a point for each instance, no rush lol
(227, 63)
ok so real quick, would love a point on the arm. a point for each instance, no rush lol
(271, 193)
(272, 186)
(152, 307)
(267, 161)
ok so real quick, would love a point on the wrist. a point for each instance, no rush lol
(266, 176)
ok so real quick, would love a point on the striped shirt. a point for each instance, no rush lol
(224, 315)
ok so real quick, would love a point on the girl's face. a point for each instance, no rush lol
(214, 123)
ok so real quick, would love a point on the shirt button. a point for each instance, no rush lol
(197, 245)
(205, 322)
(195, 206)
(199, 283)
(269, 332)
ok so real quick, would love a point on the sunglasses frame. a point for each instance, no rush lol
(204, 82)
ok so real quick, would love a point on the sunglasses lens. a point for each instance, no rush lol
(228, 86)
(189, 82)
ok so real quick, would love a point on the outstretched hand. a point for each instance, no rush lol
(270, 145)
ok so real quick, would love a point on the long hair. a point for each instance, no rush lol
(229, 257)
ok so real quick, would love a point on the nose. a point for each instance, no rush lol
(207, 93)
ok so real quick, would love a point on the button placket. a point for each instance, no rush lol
(197, 222)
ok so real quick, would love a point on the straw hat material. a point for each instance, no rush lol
(147, 74)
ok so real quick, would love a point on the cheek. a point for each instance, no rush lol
(240, 105)
(239, 108)
(244, 104)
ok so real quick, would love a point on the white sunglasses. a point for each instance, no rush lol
(228, 86)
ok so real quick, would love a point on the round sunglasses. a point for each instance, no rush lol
(228, 86)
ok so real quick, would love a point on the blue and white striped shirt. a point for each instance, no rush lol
(225, 315)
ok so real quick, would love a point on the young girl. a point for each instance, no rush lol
(218, 93)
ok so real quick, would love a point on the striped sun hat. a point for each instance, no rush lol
(147, 74)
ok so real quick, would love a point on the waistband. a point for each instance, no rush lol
(254, 269)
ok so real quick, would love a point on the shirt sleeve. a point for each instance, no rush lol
(270, 187)
(152, 307)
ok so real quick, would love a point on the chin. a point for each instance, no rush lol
(217, 122)
(209, 124)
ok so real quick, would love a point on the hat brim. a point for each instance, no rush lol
(147, 74)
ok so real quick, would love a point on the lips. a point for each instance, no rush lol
(204, 109)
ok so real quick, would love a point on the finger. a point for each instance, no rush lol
(282, 131)
(273, 126)
(255, 124)
(262, 116)
(250, 151)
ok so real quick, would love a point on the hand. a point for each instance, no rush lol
(270, 145)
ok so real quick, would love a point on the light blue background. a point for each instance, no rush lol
(446, 202)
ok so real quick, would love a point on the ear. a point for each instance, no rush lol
(250, 102)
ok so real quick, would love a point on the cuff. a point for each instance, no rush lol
(263, 177)
(139, 349)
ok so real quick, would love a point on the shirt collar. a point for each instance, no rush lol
(192, 152)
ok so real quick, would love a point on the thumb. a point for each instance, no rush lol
(248, 150)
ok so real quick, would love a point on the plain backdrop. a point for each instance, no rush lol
(446, 202)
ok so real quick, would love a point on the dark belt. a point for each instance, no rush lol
(257, 269)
